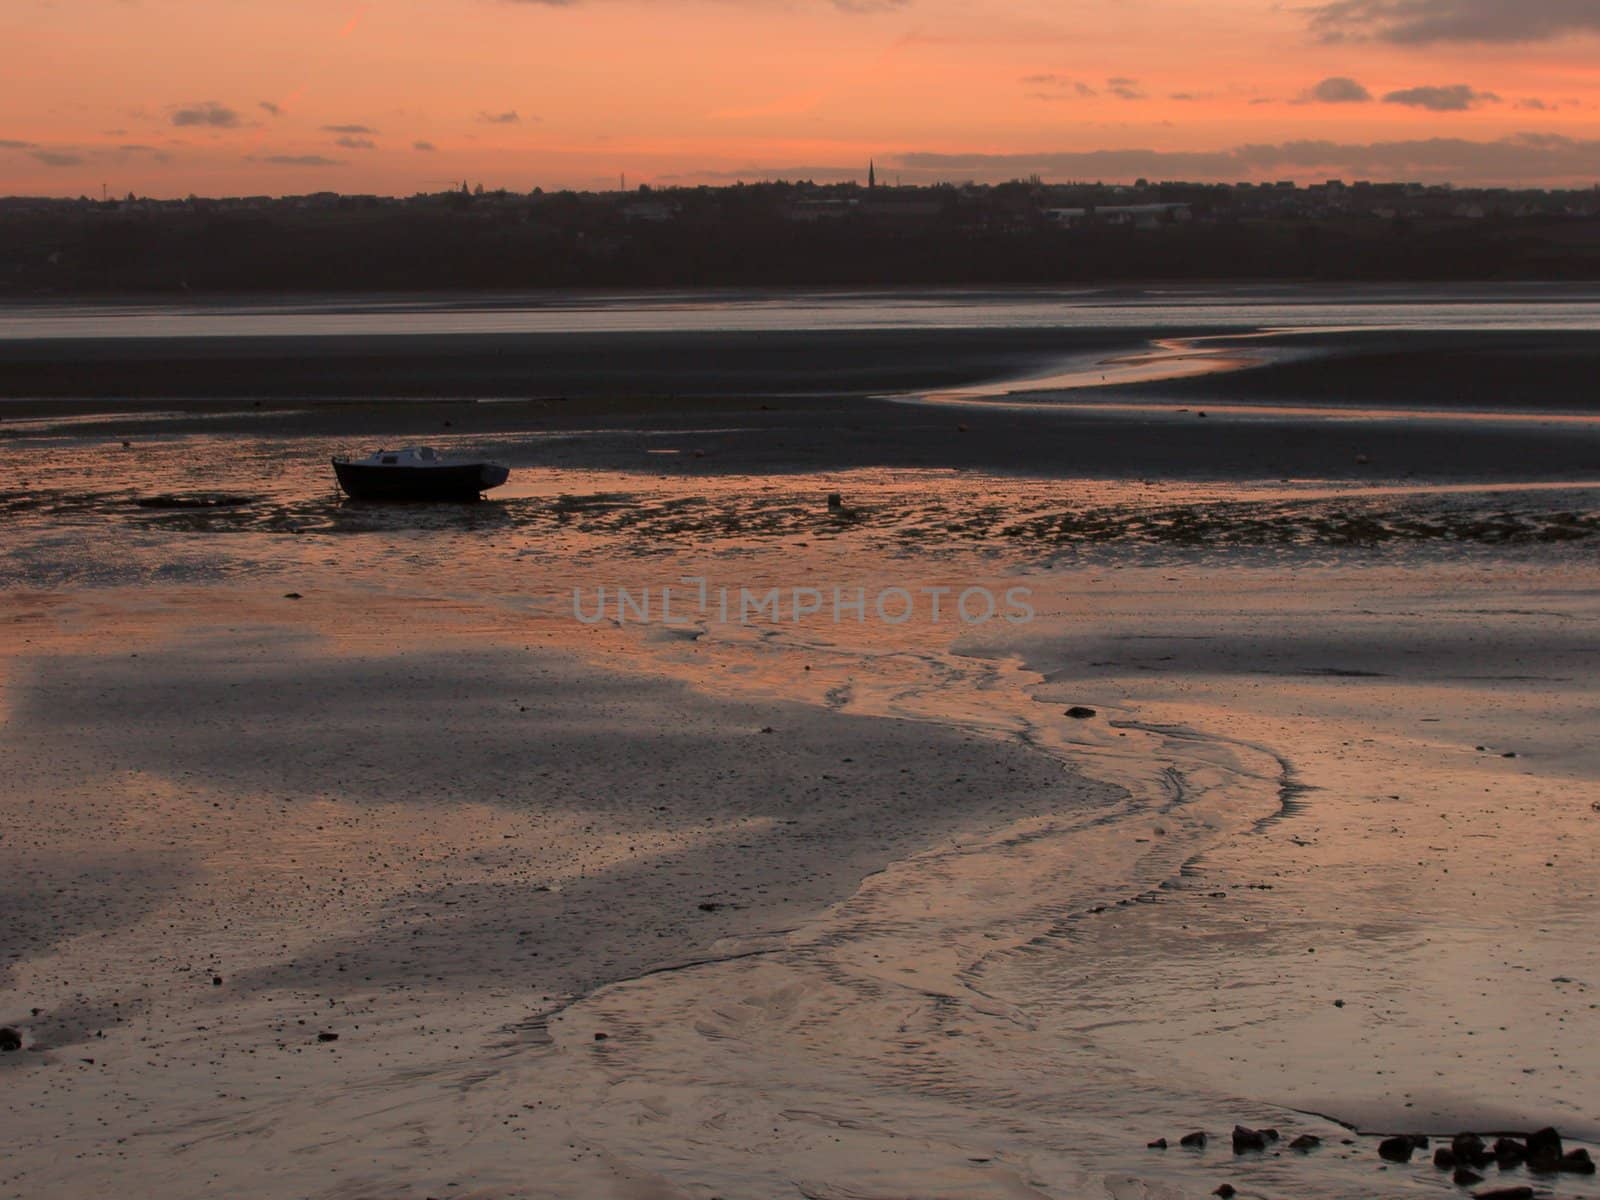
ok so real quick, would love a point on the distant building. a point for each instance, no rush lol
(1140, 216)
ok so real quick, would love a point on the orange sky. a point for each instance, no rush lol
(169, 97)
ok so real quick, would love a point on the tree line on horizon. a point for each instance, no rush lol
(791, 235)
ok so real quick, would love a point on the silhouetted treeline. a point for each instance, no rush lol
(797, 235)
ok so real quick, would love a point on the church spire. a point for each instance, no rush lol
(872, 174)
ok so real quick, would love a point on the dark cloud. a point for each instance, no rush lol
(423, 146)
(1124, 88)
(355, 143)
(348, 129)
(508, 117)
(1338, 89)
(1455, 98)
(300, 160)
(11, 144)
(1422, 22)
(219, 116)
(58, 158)
(1527, 159)
(269, 107)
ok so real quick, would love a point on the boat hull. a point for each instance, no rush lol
(453, 482)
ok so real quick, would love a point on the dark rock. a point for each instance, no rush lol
(1509, 1152)
(1396, 1149)
(291, 596)
(1194, 1141)
(1247, 1140)
(1577, 1162)
(1158, 1144)
(1444, 1158)
(1544, 1150)
(600, 1037)
(1305, 1142)
(1419, 1141)
(1227, 1191)
(10, 1040)
(216, 981)
(1510, 1193)
(327, 1037)
(1466, 1146)
(1079, 712)
(1270, 1134)
(1465, 1178)
(835, 501)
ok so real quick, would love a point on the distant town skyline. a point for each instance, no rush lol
(165, 98)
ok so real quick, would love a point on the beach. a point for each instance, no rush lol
(355, 852)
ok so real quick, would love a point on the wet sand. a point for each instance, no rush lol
(998, 950)
(1339, 405)
(812, 908)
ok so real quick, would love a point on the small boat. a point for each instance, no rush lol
(417, 473)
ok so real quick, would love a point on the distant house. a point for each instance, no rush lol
(810, 211)
(1139, 216)
(649, 210)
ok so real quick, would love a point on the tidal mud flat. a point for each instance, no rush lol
(347, 855)
(597, 908)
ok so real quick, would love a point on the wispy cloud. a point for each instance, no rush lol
(355, 143)
(509, 117)
(1525, 158)
(13, 144)
(270, 108)
(218, 116)
(1423, 22)
(1124, 88)
(791, 173)
(1455, 98)
(425, 146)
(1062, 87)
(58, 158)
(365, 129)
(852, 6)
(299, 160)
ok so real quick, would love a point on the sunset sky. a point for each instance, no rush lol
(220, 97)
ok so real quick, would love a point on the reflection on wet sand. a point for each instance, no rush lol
(816, 907)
